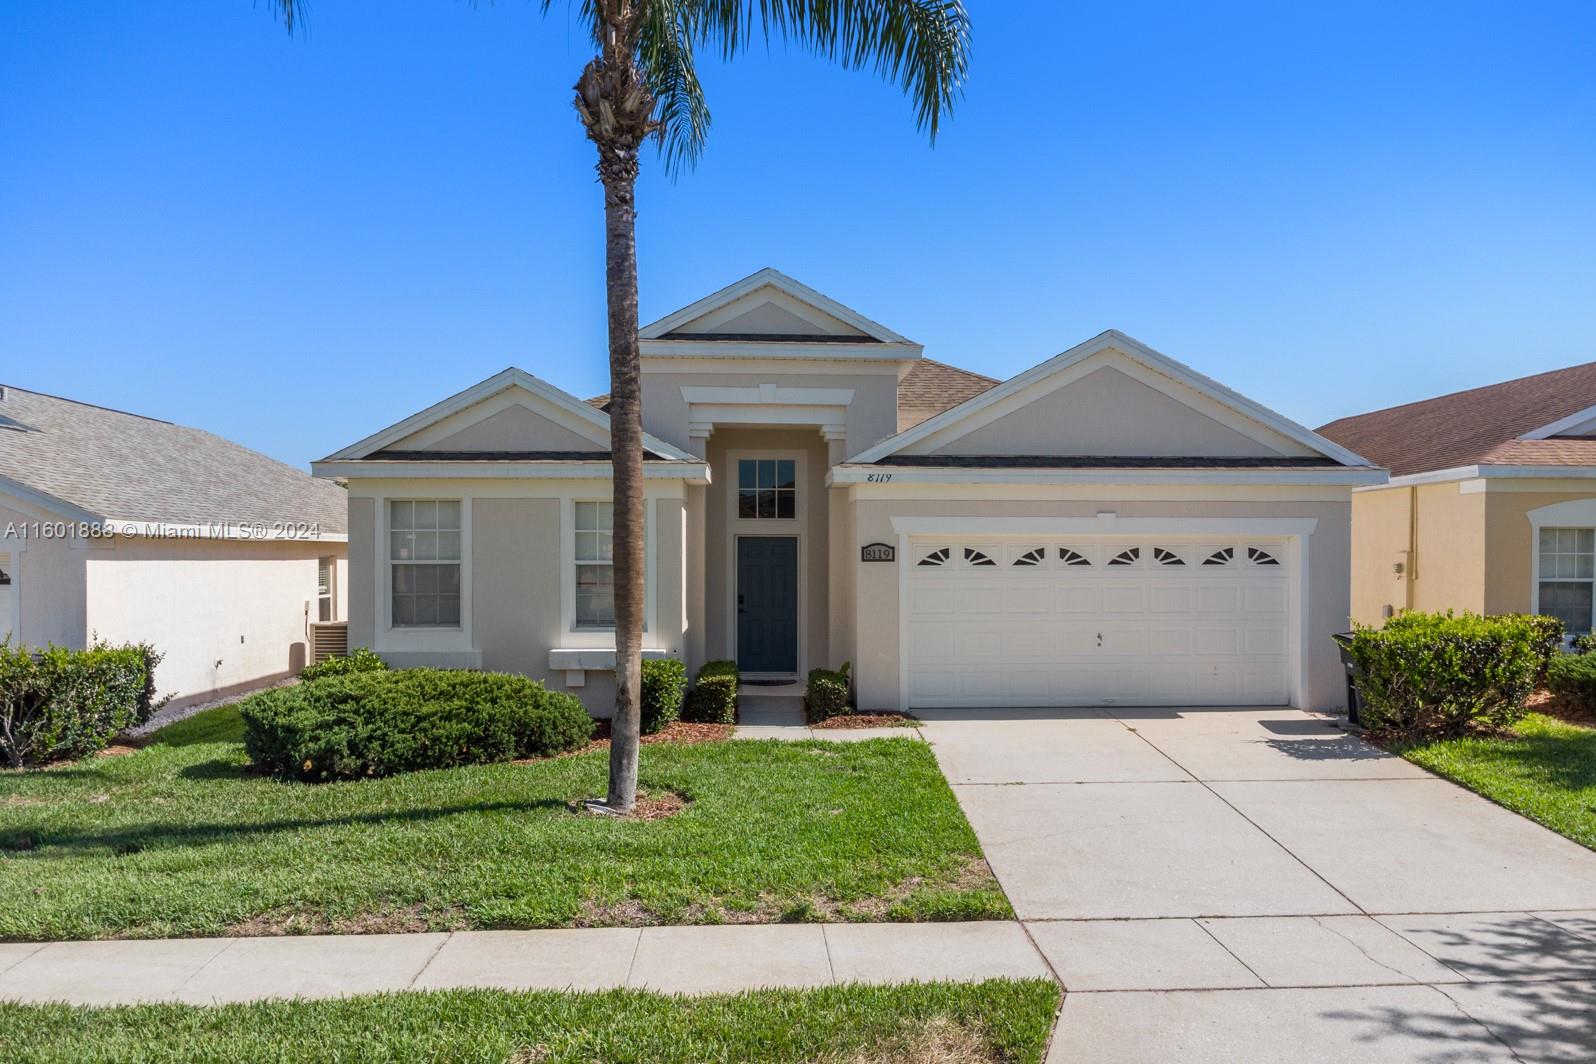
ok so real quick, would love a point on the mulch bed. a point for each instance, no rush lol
(681, 732)
(1543, 701)
(867, 720)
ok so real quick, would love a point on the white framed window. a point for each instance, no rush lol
(767, 489)
(424, 537)
(1567, 572)
(326, 600)
(595, 564)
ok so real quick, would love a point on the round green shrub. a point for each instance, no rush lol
(713, 699)
(664, 683)
(1572, 677)
(360, 659)
(826, 694)
(378, 723)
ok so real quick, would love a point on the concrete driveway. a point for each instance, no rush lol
(1258, 884)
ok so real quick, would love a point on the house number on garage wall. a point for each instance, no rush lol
(877, 552)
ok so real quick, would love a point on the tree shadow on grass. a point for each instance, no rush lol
(53, 843)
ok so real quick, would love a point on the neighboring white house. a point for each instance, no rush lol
(1107, 527)
(125, 528)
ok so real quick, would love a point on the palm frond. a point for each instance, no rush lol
(921, 45)
(665, 56)
(291, 13)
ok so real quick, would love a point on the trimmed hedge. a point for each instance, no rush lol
(1438, 673)
(1584, 644)
(360, 659)
(1572, 677)
(826, 695)
(380, 723)
(59, 703)
(664, 684)
(713, 699)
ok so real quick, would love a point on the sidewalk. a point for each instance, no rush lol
(687, 960)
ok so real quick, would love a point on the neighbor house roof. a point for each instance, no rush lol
(94, 463)
(1481, 426)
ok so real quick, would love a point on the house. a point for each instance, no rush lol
(124, 528)
(1491, 505)
(1107, 527)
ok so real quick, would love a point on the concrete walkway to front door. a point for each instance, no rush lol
(1258, 884)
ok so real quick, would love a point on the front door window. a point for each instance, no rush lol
(767, 488)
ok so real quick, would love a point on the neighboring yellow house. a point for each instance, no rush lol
(1491, 505)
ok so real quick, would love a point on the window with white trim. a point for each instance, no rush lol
(1567, 572)
(595, 565)
(424, 557)
(326, 573)
(767, 488)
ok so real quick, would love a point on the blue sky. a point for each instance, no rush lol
(294, 242)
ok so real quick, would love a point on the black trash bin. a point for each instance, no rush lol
(1354, 701)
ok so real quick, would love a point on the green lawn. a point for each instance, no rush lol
(1545, 770)
(915, 1024)
(179, 839)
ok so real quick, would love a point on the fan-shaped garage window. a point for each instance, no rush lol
(975, 557)
(936, 557)
(1164, 556)
(1128, 556)
(1261, 557)
(1222, 556)
(1070, 557)
(1035, 556)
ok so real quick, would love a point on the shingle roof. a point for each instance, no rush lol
(124, 466)
(931, 387)
(1480, 426)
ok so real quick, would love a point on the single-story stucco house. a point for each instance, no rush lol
(1108, 527)
(129, 529)
(1491, 506)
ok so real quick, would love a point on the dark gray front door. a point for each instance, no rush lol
(767, 603)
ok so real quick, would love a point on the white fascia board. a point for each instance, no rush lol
(1494, 472)
(869, 475)
(1561, 425)
(499, 382)
(781, 282)
(228, 530)
(1104, 524)
(1140, 352)
(768, 394)
(696, 472)
(50, 504)
(827, 351)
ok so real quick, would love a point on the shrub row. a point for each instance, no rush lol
(360, 659)
(1437, 673)
(60, 703)
(714, 696)
(826, 694)
(664, 683)
(379, 723)
(1572, 677)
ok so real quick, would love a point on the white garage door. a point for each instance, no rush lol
(1076, 621)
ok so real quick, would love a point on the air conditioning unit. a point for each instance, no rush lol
(328, 639)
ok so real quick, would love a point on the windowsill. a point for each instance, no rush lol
(570, 659)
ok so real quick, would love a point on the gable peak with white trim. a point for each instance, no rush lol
(1111, 396)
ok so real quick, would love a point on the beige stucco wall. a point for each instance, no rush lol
(47, 576)
(514, 428)
(1509, 539)
(1447, 567)
(872, 416)
(875, 605)
(225, 614)
(812, 526)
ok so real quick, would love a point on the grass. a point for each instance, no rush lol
(924, 1023)
(1544, 769)
(178, 839)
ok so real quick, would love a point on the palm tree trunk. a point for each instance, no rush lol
(626, 456)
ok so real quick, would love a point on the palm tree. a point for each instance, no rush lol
(642, 84)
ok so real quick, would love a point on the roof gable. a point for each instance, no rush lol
(1111, 396)
(770, 305)
(511, 411)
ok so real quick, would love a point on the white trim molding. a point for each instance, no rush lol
(855, 474)
(1579, 419)
(694, 472)
(775, 279)
(1115, 341)
(1492, 472)
(767, 404)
